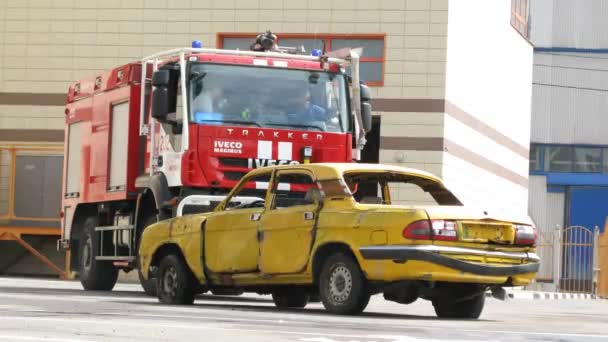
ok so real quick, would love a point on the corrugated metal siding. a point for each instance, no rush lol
(570, 98)
(537, 190)
(546, 209)
(567, 23)
(541, 22)
(547, 212)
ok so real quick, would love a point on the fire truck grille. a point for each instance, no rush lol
(234, 162)
(234, 175)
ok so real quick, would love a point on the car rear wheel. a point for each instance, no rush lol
(470, 308)
(290, 299)
(342, 286)
(175, 284)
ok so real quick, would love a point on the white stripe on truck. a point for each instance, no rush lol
(264, 149)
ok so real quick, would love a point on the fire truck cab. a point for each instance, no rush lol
(180, 128)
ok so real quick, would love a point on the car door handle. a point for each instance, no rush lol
(255, 216)
(309, 215)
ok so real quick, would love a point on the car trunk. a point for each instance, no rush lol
(479, 226)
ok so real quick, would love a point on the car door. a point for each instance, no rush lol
(286, 229)
(231, 232)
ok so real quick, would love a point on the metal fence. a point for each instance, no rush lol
(569, 259)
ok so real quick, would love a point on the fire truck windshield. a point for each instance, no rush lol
(268, 97)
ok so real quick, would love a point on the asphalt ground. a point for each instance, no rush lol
(50, 310)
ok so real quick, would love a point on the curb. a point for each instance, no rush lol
(536, 295)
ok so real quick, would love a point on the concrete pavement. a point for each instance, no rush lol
(48, 310)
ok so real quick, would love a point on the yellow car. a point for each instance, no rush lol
(341, 232)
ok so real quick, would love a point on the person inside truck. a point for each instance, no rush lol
(305, 111)
(208, 104)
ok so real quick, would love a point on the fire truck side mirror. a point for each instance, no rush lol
(160, 96)
(366, 107)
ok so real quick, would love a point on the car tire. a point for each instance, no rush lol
(94, 275)
(149, 285)
(342, 287)
(175, 283)
(467, 309)
(290, 299)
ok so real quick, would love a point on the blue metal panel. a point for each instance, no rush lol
(568, 49)
(557, 189)
(577, 179)
(588, 207)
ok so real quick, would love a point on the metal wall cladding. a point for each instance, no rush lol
(570, 98)
(545, 209)
(547, 212)
(567, 23)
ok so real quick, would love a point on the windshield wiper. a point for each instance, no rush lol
(296, 125)
(234, 122)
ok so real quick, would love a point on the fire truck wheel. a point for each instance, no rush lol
(149, 285)
(94, 275)
(175, 282)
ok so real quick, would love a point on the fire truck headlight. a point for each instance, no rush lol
(307, 154)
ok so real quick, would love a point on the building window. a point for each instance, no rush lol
(605, 160)
(519, 16)
(535, 158)
(372, 60)
(587, 159)
(558, 158)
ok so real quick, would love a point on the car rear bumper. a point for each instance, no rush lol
(440, 255)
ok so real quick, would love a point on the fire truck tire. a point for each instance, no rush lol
(175, 282)
(94, 275)
(149, 285)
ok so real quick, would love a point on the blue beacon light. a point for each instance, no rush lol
(316, 52)
(197, 44)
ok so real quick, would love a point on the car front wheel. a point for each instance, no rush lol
(468, 309)
(342, 286)
(175, 284)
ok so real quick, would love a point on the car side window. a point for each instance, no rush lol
(291, 189)
(251, 193)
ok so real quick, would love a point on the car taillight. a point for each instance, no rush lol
(444, 230)
(431, 230)
(525, 235)
(418, 230)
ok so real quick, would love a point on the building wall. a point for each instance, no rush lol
(487, 121)
(48, 43)
(570, 98)
(547, 211)
(571, 24)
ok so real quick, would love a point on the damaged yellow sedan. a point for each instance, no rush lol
(341, 233)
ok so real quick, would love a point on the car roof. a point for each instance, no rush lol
(331, 170)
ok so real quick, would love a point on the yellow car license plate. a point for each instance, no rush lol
(487, 232)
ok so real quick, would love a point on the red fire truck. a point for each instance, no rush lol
(149, 137)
